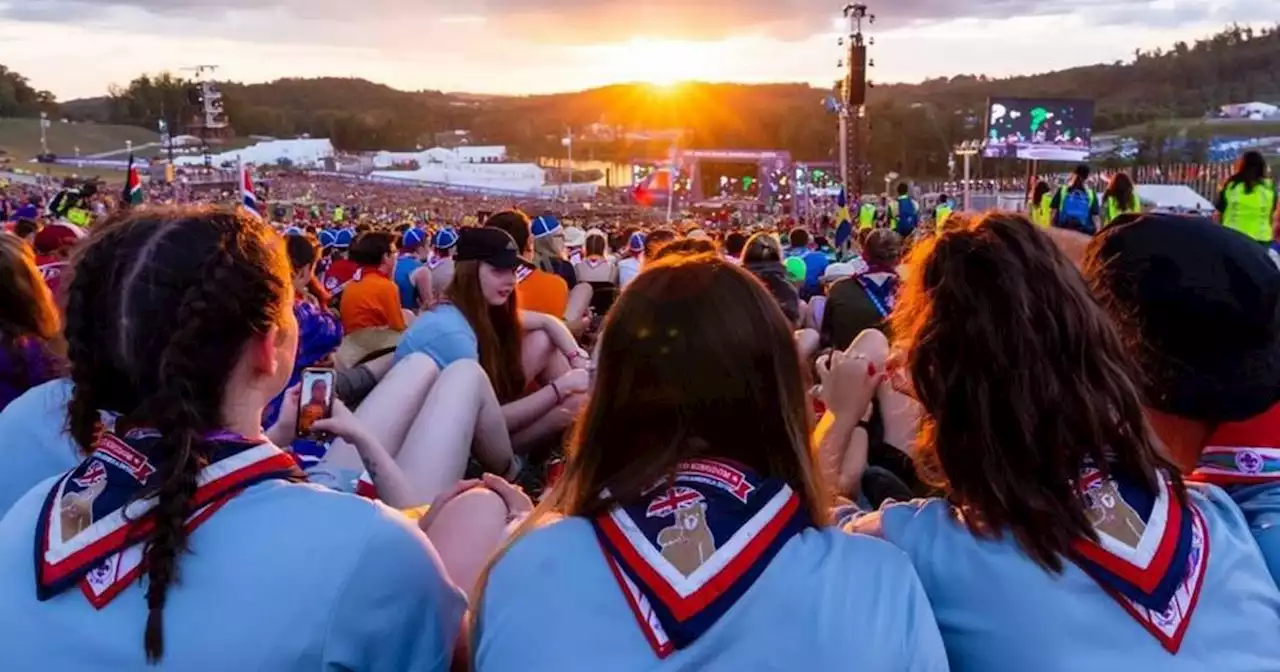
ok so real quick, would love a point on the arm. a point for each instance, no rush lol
(555, 329)
(523, 412)
(421, 280)
(393, 486)
(390, 301)
(842, 447)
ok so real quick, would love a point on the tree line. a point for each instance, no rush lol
(912, 127)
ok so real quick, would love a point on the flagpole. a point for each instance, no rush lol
(671, 184)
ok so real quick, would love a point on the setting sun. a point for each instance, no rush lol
(662, 63)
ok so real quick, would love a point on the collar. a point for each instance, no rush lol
(1151, 554)
(95, 520)
(692, 545)
(1242, 453)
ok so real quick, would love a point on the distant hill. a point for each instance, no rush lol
(21, 137)
(914, 126)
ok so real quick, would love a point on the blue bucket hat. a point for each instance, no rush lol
(327, 238)
(445, 238)
(544, 226)
(294, 231)
(344, 238)
(636, 243)
(412, 239)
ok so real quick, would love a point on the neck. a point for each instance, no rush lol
(1183, 439)
(242, 413)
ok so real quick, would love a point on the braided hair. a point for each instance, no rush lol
(159, 311)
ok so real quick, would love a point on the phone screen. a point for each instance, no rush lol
(316, 401)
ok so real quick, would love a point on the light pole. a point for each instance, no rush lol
(968, 149)
(44, 138)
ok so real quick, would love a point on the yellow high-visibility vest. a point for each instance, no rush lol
(1251, 213)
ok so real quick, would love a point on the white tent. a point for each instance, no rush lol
(1173, 197)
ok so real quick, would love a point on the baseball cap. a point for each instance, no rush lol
(490, 245)
(445, 238)
(327, 238)
(796, 269)
(1202, 303)
(544, 225)
(344, 238)
(412, 240)
(574, 237)
(57, 236)
(636, 243)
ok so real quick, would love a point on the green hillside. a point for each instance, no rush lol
(21, 137)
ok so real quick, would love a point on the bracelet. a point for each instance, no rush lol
(556, 388)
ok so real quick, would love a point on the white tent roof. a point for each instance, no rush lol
(1173, 196)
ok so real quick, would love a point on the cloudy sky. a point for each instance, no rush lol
(77, 48)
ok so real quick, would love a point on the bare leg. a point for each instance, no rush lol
(388, 411)
(466, 531)
(576, 313)
(542, 362)
(807, 341)
(901, 413)
(459, 409)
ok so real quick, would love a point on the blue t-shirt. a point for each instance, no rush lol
(443, 334)
(283, 577)
(999, 611)
(34, 444)
(405, 266)
(827, 601)
(815, 264)
(1261, 507)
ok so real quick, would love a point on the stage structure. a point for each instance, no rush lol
(855, 169)
(765, 177)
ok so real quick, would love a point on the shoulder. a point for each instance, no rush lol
(549, 541)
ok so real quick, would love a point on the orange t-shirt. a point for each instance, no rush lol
(543, 292)
(371, 301)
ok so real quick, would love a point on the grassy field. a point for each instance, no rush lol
(21, 138)
(1218, 127)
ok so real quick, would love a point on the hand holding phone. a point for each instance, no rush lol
(316, 401)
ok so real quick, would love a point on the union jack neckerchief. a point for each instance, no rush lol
(92, 526)
(693, 544)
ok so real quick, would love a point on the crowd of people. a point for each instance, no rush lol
(915, 441)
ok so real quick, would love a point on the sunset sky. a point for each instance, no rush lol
(75, 48)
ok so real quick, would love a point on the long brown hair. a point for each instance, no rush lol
(1024, 381)
(695, 360)
(27, 309)
(498, 332)
(160, 308)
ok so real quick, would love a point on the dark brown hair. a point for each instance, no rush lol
(517, 224)
(685, 247)
(371, 248)
(498, 332)
(1024, 381)
(596, 245)
(159, 311)
(27, 311)
(695, 360)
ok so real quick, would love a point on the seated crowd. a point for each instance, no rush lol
(990, 449)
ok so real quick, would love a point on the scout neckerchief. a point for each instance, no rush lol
(882, 295)
(1151, 554)
(92, 527)
(434, 261)
(692, 545)
(1242, 453)
(595, 261)
(575, 256)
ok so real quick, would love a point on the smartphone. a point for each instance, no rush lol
(316, 401)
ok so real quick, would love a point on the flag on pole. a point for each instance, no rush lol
(844, 223)
(248, 198)
(132, 194)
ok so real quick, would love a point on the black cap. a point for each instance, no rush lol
(490, 245)
(1203, 304)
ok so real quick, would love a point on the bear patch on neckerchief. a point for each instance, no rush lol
(693, 544)
(92, 526)
(1151, 554)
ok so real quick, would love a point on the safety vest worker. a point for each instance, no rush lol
(1042, 215)
(867, 216)
(942, 213)
(1114, 209)
(1251, 212)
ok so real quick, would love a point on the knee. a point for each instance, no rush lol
(537, 342)
(417, 362)
(871, 344)
(477, 508)
(464, 369)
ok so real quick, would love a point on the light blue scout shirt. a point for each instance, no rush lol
(441, 333)
(827, 601)
(283, 577)
(1261, 507)
(34, 443)
(1001, 612)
